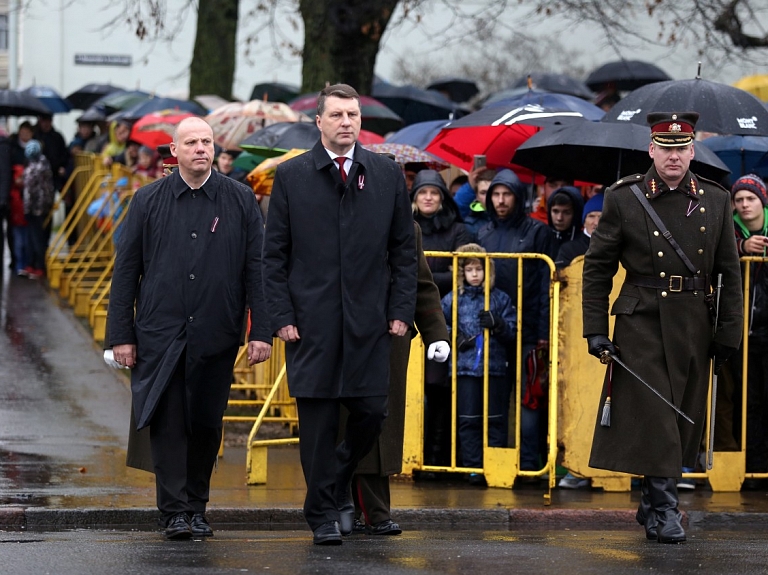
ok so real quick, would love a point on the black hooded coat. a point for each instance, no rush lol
(520, 233)
(442, 232)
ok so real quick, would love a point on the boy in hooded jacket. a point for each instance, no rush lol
(472, 322)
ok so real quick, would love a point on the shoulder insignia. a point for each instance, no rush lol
(625, 181)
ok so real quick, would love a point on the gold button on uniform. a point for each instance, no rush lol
(663, 294)
(661, 254)
(702, 210)
(662, 275)
(656, 233)
(701, 192)
(702, 229)
(701, 251)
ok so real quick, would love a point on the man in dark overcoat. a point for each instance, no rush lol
(189, 260)
(340, 282)
(663, 328)
(371, 480)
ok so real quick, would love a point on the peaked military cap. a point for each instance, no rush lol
(672, 128)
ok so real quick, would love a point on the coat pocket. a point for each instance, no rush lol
(625, 305)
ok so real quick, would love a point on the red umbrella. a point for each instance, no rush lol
(495, 132)
(375, 115)
(367, 137)
(156, 128)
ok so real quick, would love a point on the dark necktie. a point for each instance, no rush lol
(340, 160)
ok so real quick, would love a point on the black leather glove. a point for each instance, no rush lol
(463, 343)
(720, 353)
(599, 343)
(490, 321)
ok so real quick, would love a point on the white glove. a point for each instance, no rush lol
(109, 359)
(438, 351)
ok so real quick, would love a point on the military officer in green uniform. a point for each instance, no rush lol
(663, 328)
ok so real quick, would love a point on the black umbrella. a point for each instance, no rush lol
(15, 103)
(275, 92)
(551, 82)
(284, 136)
(82, 98)
(602, 153)
(625, 75)
(94, 113)
(723, 109)
(457, 89)
(413, 104)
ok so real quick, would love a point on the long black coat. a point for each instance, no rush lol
(339, 263)
(189, 260)
(662, 335)
(386, 456)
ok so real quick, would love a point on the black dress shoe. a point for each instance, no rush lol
(178, 527)
(386, 527)
(358, 527)
(327, 534)
(200, 527)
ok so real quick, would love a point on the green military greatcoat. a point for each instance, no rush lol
(662, 334)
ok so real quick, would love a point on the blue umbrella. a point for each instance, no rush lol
(742, 154)
(419, 134)
(155, 105)
(549, 101)
(50, 97)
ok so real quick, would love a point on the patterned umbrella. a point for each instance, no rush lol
(235, 122)
(156, 128)
(405, 154)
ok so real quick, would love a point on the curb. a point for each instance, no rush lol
(41, 519)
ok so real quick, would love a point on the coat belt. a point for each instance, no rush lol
(672, 283)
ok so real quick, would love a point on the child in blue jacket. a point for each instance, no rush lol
(473, 319)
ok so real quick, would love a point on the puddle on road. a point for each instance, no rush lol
(21, 477)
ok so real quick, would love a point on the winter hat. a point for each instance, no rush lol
(594, 204)
(429, 178)
(751, 183)
(33, 151)
(474, 249)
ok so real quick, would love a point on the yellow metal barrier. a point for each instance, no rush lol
(501, 465)
(582, 379)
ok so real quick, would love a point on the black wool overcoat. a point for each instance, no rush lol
(339, 263)
(662, 334)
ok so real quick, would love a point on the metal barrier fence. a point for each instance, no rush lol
(501, 465)
(81, 270)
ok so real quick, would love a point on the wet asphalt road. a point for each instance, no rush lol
(475, 552)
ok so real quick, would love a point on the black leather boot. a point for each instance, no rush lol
(662, 492)
(645, 515)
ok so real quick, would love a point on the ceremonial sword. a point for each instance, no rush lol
(713, 399)
(606, 357)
